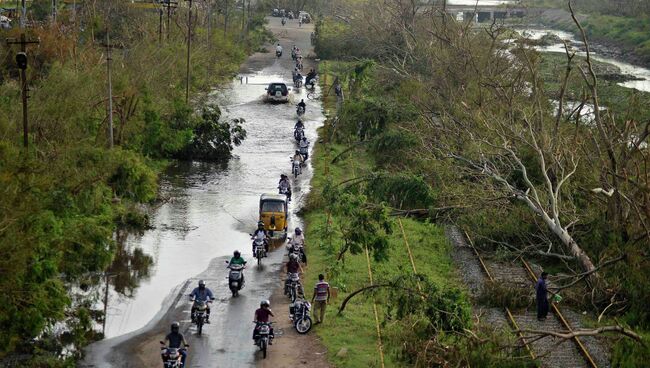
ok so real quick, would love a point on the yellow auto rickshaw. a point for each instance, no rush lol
(274, 214)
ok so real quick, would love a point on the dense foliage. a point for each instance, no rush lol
(68, 200)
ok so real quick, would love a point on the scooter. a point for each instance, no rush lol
(235, 278)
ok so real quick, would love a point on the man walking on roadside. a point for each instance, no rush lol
(321, 298)
(542, 297)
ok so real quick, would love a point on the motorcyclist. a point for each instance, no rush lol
(299, 62)
(201, 294)
(261, 233)
(302, 105)
(284, 20)
(298, 157)
(238, 260)
(176, 340)
(262, 315)
(294, 53)
(296, 75)
(293, 266)
(310, 76)
(298, 240)
(285, 186)
(304, 148)
(278, 49)
(299, 126)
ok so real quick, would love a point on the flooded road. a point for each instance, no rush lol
(211, 210)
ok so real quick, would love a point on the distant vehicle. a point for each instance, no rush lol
(277, 92)
(304, 16)
(276, 13)
(5, 23)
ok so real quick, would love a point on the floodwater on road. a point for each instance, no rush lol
(212, 207)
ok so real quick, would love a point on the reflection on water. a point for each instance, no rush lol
(130, 266)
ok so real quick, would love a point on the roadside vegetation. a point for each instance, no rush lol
(444, 125)
(69, 199)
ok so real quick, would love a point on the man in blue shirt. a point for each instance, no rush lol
(201, 294)
(542, 297)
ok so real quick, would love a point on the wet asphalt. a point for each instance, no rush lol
(213, 208)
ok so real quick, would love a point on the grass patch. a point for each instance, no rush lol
(355, 329)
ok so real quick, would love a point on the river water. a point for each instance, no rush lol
(212, 207)
(640, 73)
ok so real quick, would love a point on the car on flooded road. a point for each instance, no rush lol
(277, 92)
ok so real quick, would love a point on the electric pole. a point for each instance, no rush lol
(21, 61)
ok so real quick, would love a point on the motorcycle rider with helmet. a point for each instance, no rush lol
(298, 240)
(176, 340)
(238, 260)
(201, 294)
(262, 315)
(293, 266)
(285, 185)
(260, 232)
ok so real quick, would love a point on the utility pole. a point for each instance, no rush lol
(21, 61)
(189, 47)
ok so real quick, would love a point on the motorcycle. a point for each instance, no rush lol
(297, 249)
(299, 316)
(297, 82)
(298, 134)
(311, 83)
(200, 316)
(172, 357)
(294, 55)
(286, 191)
(296, 169)
(300, 110)
(284, 22)
(263, 336)
(259, 249)
(235, 278)
(278, 53)
(294, 287)
(304, 151)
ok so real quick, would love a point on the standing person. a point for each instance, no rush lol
(542, 297)
(321, 298)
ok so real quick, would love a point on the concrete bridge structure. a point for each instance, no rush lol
(484, 13)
